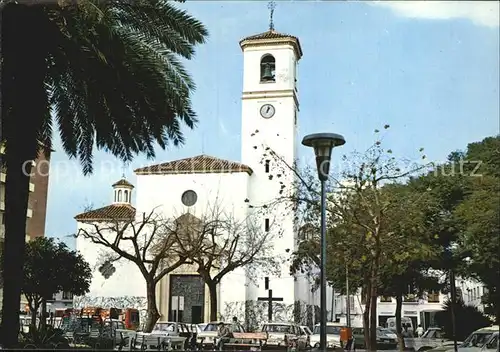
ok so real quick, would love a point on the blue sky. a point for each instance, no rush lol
(428, 69)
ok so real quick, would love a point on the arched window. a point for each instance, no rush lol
(119, 196)
(130, 196)
(126, 196)
(267, 68)
(115, 196)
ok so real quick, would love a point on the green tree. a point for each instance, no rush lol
(371, 223)
(104, 73)
(478, 218)
(51, 267)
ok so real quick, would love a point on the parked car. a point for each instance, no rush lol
(206, 338)
(492, 344)
(433, 337)
(281, 335)
(385, 338)
(332, 335)
(477, 340)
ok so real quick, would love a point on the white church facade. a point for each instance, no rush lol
(270, 106)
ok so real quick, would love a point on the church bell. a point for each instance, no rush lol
(267, 74)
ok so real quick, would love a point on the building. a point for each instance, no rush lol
(37, 201)
(420, 310)
(270, 106)
(61, 300)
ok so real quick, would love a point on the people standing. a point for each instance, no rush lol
(420, 330)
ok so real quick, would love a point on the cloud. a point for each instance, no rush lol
(482, 13)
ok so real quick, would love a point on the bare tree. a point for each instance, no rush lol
(150, 242)
(219, 243)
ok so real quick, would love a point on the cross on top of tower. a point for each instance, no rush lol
(124, 169)
(271, 6)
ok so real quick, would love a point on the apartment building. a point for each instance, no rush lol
(37, 202)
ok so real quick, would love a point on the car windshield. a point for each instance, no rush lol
(330, 330)
(287, 329)
(210, 327)
(168, 327)
(477, 339)
(428, 334)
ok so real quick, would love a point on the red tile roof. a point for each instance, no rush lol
(123, 182)
(271, 37)
(200, 164)
(109, 213)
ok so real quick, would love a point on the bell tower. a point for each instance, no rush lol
(270, 106)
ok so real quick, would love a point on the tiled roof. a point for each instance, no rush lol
(271, 36)
(123, 182)
(110, 212)
(200, 164)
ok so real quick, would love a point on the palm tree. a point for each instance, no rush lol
(107, 75)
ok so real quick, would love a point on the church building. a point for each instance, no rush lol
(270, 106)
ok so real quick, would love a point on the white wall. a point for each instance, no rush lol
(127, 279)
(226, 192)
(279, 134)
(285, 67)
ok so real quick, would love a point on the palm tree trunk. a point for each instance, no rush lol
(43, 313)
(16, 207)
(24, 107)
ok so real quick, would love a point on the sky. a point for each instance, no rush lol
(428, 69)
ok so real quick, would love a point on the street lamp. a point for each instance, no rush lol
(323, 143)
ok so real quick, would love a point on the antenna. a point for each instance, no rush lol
(271, 6)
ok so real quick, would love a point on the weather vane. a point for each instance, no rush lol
(271, 6)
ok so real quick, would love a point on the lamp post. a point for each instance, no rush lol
(323, 143)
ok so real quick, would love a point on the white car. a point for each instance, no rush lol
(206, 338)
(492, 344)
(478, 340)
(280, 335)
(332, 335)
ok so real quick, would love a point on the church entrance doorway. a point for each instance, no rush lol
(192, 288)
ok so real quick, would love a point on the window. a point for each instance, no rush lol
(266, 224)
(189, 198)
(493, 344)
(433, 297)
(126, 196)
(266, 166)
(67, 295)
(119, 196)
(267, 69)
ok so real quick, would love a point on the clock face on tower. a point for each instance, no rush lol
(267, 111)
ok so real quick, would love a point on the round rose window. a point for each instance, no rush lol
(189, 198)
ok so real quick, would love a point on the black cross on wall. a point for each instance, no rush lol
(270, 299)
